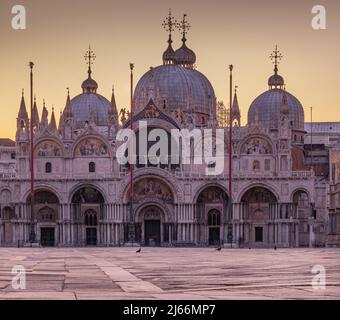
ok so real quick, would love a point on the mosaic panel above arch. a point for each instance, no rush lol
(91, 147)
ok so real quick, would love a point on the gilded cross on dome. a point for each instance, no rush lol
(184, 26)
(276, 57)
(169, 23)
(89, 58)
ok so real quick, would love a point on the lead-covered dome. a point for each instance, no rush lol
(266, 108)
(172, 87)
(88, 107)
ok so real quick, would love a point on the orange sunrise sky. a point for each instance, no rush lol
(223, 32)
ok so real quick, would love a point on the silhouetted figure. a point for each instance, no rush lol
(139, 250)
(219, 249)
(275, 248)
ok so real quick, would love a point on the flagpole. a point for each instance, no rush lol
(32, 232)
(231, 67)
(311, 137)
(131, 225)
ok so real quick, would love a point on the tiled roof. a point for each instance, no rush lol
(7, 142)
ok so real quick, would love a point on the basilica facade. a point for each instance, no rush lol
(279, 198)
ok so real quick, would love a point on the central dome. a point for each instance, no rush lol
(172, 87)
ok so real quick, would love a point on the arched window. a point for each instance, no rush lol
(256, 165)
(214, 218)
(48, 167)
(92, 167)
(91, 218)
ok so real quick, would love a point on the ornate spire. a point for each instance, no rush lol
(68, 113)
(169, 25)
(276, 81)
(53, 124)
(35, 115)
(89, 85)
(44, 116)
(113, 110)
(22, 110)
(60, 120)
(236, 114)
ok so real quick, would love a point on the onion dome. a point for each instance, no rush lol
(89, 85)
(169, 54)
(168, 25)
(184, 56)
(276, 81)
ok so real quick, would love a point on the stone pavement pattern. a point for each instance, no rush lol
(176, 274)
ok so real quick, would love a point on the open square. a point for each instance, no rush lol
(173, 273)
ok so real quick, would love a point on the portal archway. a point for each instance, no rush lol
(303, 212)
(213, 215)
(45, 214)
(7, 216)
(87, 211)
(259, 207)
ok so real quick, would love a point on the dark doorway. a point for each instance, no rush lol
(152, 233)
(214, 223)
(91, 236)
(258, 234)
(214, 236)
(47, 237)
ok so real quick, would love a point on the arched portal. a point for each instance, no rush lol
(213, 215)
(259, 205)
(152, 219)
(87, 211)
(7, 216)
(303, 208)
(46, 210)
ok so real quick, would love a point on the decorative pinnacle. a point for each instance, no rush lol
(184, 26)
(236, 87)
(68, 91)
(276, 57)
(31, 65)
(22, 92)
(169, 25)
(132, 66)
(89, 58)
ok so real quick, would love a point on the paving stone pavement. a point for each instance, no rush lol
(169, 273)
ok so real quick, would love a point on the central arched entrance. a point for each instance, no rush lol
(152, 221)
(259, 205)
(213, 215)
(87, 211)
